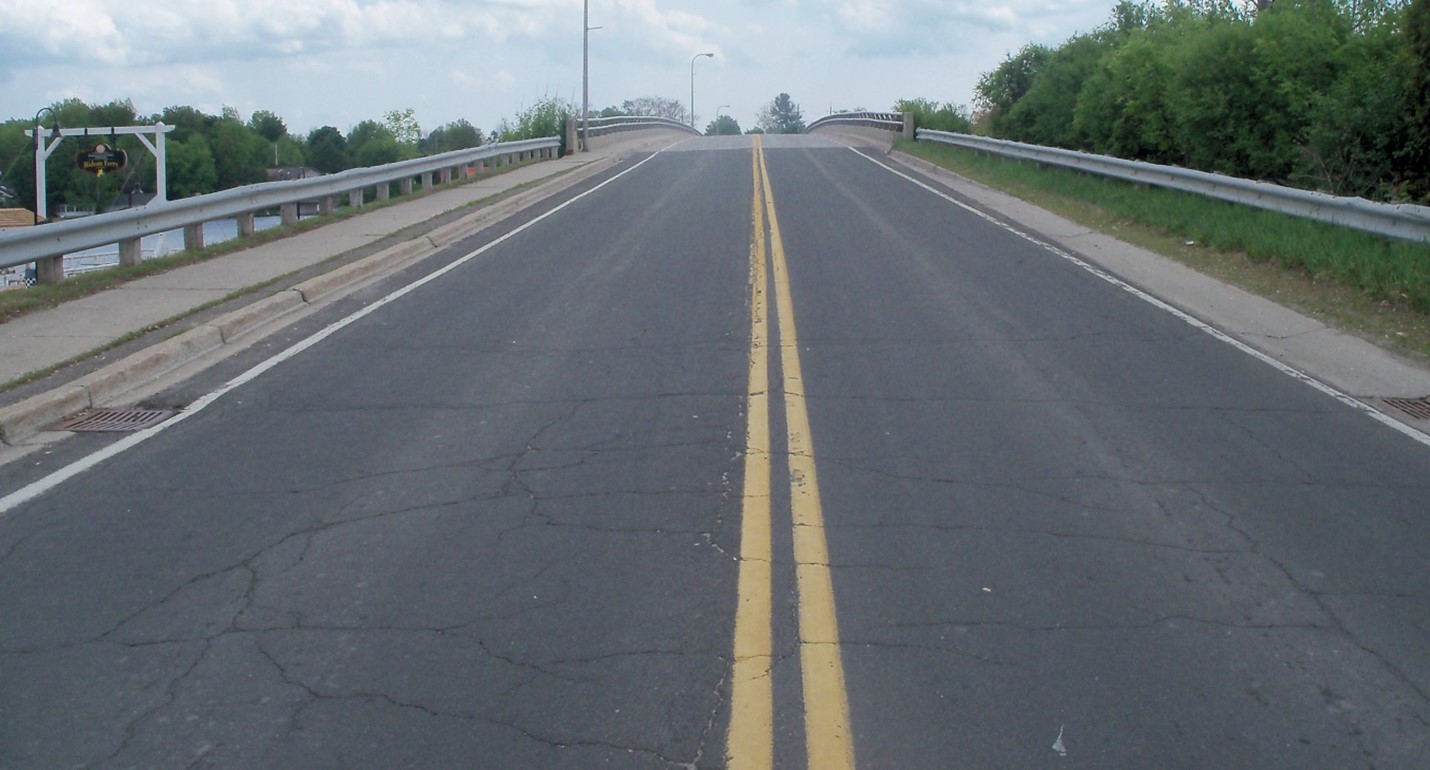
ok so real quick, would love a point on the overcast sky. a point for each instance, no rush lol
(337, 62)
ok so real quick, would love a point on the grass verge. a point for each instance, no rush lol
(1375, 287)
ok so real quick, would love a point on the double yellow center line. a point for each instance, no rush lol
(829, 740)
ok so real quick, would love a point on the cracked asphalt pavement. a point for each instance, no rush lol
(496, 522)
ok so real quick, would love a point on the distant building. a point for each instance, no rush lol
(20, 275)
(292, 174)
(17, 218)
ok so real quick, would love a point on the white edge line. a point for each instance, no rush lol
(39, 487)
(1195, 322)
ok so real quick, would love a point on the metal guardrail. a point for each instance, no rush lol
(890, 121)
(602, 126)
(29, 244)
(1403, 221)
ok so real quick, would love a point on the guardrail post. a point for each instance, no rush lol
(427, 180)
(384, 191)
(194, 237)
(444, 176)
(50, 270)
(247, 224)
(404, 187)
(289, 211)
(130, 253)
(327, 205)
(909, 129)
(355, 199)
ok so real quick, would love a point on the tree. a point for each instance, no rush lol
(1416, 152)
(192, 170)
(328, 150)
(16, 155)
(457, 135)
(185, 120)
(997, 91)
(938, 117)
(240, 154)
(406, 132)
(372, 144)
(544, 119)
(781, 116)
(268, 125)
(1045, 113)
(723, 126)
(657, 107)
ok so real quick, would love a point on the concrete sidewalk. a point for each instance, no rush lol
(80, 329)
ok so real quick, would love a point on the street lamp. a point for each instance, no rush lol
(717, 118)
(692, 85)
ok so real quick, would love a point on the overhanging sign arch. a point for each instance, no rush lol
(47, 141)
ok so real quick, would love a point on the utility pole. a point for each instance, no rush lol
(585, 70)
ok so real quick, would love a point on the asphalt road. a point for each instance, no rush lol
(508, 519)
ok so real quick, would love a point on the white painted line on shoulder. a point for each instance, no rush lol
(1199, 324)
(37, 488)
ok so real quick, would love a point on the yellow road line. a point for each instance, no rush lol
(750, 744)
(828, 733)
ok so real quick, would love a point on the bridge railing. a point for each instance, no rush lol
(47, 244)
(1404, 221)
(604, 126)
(888, 121)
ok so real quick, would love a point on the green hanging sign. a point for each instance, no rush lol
(101, 159)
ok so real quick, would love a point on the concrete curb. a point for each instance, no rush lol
(244, 320)
(25, 419)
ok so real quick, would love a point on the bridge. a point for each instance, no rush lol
(698, 452)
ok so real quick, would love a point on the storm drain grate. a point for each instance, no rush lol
(1419, 408)
(116, 420)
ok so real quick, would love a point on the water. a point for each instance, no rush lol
(159, 244)
(150, 247)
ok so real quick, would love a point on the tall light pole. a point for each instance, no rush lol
(692, 85)
(585, 69)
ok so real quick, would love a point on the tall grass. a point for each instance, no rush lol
(545, 118)
(1383, 269)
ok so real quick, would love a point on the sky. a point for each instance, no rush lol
(339, 62)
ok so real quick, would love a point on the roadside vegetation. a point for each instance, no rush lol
(1331, 95)
(207, 153)
(1374, 286)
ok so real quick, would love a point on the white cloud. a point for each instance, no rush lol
(135, 34)
(338, 62)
